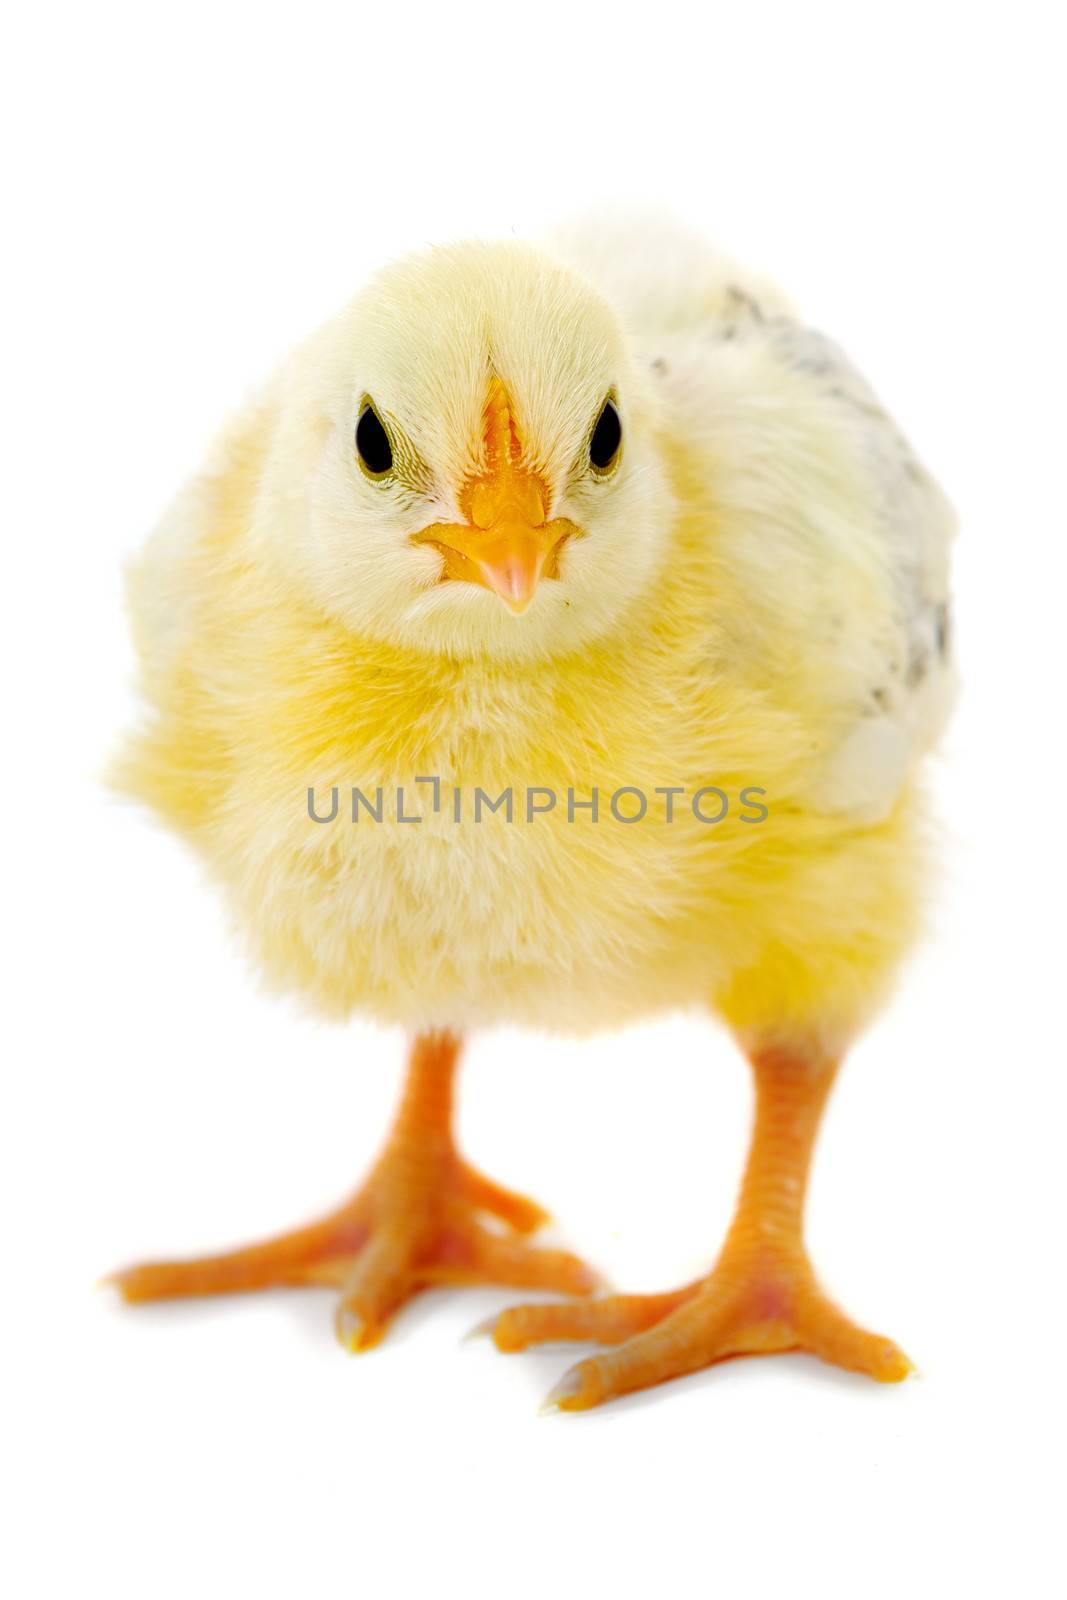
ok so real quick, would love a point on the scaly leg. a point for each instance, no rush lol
(760, 1297)
(414, 1222)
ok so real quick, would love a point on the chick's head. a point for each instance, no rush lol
(465, 460)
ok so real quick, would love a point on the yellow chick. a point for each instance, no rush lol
(554, 642)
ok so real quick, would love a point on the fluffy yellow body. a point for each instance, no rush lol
(792, 923)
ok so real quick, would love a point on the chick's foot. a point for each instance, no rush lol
(754, 1307)
(421, 1218)
(762, 1296)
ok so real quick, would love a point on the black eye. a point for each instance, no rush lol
(372, 443)
(607, 437)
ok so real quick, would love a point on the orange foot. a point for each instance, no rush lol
(416, 1221)
(761, 1297)
(756, 1307)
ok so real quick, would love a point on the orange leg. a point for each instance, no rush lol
(414, 1222)
(760, 1297)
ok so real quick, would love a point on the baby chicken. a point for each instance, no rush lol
(554, 641)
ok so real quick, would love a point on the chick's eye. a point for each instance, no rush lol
(372, 443)
(607, 437)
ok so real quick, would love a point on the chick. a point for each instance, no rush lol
(599, 531)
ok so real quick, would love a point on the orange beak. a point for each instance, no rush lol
(505, 544)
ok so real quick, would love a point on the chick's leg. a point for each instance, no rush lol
(761, 1296)
(420, 1218)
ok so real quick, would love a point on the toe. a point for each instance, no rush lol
(682, 1342)
(479, 1256)
(826, 1332)
(376, 1288)
(515, 1209)
(610, 1320)
(293, 1258)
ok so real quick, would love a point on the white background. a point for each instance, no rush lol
(190, 188)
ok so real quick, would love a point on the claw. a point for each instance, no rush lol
(482, 1330)
(566, 1389)
(353, 1331)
